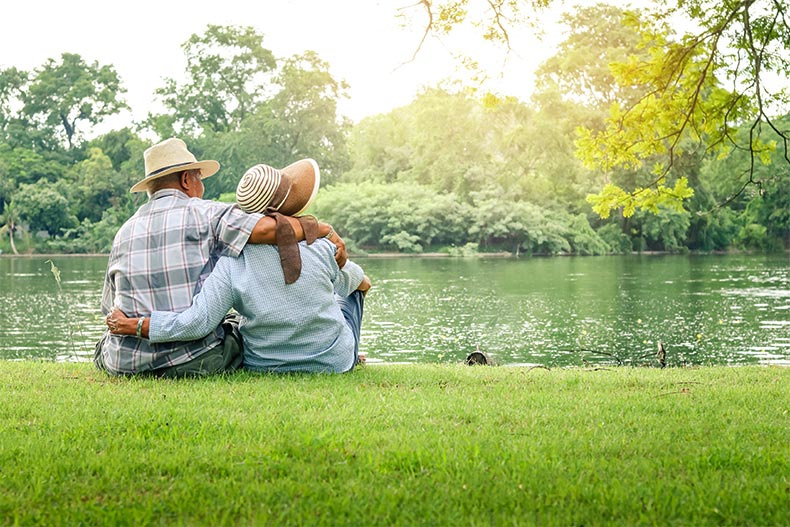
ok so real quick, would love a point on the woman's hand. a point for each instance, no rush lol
(364, 285)
(120, 324)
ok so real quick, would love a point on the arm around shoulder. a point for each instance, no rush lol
(265, 232)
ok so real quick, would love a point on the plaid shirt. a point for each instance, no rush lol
(159, 260)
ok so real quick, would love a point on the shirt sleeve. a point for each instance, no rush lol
(208, 309)
(232, 228)
(347, 279)
(108, 290)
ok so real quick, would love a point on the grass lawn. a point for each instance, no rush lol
(396, 445)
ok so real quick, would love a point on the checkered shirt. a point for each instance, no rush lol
(159, 260)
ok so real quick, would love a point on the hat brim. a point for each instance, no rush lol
(207, 169)
(303, 174)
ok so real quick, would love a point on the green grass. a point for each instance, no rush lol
(396, 445)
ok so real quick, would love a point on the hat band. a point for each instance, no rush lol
(155, 172)
(283, 200)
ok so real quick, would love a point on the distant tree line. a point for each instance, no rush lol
(455, 170)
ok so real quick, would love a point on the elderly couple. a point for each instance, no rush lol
(180, 264)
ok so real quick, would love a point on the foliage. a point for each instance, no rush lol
(684, 100)
(12, 88)
(664, 230)
(613, 236)
(652, 199)
(584, 240)
(397, 216)
(299, 121)
(225, 81)
(693, 89)
(43, 207)
(455, 170)
(518, 226)
(94, 236)
(61, 95)
(455, 142)
(753, 236)
(9, 225)
(96, 186)
(597, 36)
(121, 146)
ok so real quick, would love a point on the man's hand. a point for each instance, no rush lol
(119, 323)
(340, 254)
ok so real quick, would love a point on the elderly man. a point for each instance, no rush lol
(296, 317)
(162, 255)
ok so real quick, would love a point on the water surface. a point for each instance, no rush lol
(548, 311)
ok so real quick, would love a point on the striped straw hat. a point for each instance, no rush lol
(288, 191)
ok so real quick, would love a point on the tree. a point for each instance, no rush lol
(118, 145)
(12, 83)
(406, 217)
(9, 225)
(767, 203)
(23, 165)
(95, 186)
(302, 117)
(598, 36)
(441, 140)
(517, 226)
(16, 127)
(735, 43)
(300, 120)
(43, 207)
(62, 95)
(226, 74)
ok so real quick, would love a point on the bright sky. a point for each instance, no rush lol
(362, 40)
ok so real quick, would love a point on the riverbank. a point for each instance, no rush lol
(397, 445)
(500, 254)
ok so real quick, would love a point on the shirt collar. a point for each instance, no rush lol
(166, 192)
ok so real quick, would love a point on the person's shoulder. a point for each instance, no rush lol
(129, 224)
(209, 205)
(259, 251)
(226, 263)
(322, 248)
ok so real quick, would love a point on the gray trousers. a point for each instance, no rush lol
(224, 358)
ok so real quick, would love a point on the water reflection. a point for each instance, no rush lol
(546, 311)
(40, 319)
(559, 311)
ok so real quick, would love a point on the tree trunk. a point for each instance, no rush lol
(11, 230)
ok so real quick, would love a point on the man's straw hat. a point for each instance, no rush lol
(169, 156)
(289, 191)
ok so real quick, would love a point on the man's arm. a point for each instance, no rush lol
(265, 232)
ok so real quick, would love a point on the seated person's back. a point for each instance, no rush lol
(285, 327)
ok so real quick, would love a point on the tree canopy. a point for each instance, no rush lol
(60, 95)
(694, 89)
(225, 80)
(455, 170)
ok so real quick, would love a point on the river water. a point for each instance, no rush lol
(560, 311)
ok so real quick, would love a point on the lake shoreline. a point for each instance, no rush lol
(730, 252)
